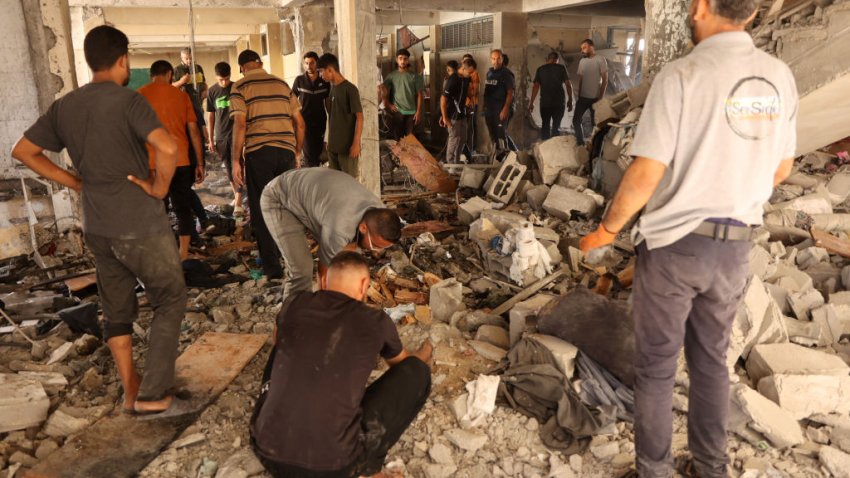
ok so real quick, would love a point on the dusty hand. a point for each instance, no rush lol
(393, 108)
(596, 239)
(147, 186)
(417, 117)
(503, 115)
(200, 173)
(354, 151)
(238, 174)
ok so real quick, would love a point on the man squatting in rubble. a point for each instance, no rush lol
(104, 127)
(338, 211)
(315, 416)
(708, 151)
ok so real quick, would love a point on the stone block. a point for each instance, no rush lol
(446, 298)
(503, 220)
(807, 395)
(466, 440)
(521, 313)
(61, 353)
(563, 352)
(507, 180)
(472, 177)
(802, 303)
(493, 334)
(441, 454)
(571, 181)
(469, 211)
(798, 280)
(555, 155)
(836, 461)
(804, 332)
(811, 256)
(760, 262)
(536, 196)
(62, 424)
(758, 320)
(488, 351)
(555, 256)
(23, 402)
(834, 321)
(840, 298)
(562, 202)
(766, 417)
(790, 359)
(780, 297)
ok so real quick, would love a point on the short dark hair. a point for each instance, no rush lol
(161, 68)
(452, 64)
(470, 63)
(222, 69)
(187, 50)
(403, 52)
(247, 56)
(328, 60)
(310, 54)
(385, 222)
(349, 259)
(496, 50)
(588, 41)
(736, 11)
(552, 56)
(103, 46)
(467, 55)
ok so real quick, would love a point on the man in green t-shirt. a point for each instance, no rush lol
(346, 118)
(402, 96)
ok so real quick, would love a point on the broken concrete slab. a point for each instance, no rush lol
(836, 461)
(563, 353)
(804, 332)
(503, 220)
(600, 327)
(62, 424)
(23, 402)
(61, 353)
(469, 211)
(802, 303)
(834, 320)
(562, 202)
(810, 256)
(571, 181)
(536, 196)
(767, 418)
(521, 314)
(790, 359)
(472, 177)
(758, 320)
(446, 298)
(555, 155)
(466, 440)
(807, 395)
(494, 335)
(488, 350)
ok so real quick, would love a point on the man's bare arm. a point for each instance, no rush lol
(239, 126)
(636, 188)
(300, 127)
(423, 354)
(783, 171)
(165, 161)
(211, 132)
(32, 156)
(534, 90)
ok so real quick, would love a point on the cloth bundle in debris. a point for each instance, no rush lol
(600, 327)
(198, 273)
(534, 386)
(601, 389)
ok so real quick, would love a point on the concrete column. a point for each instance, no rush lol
(255, 42)
(310, 29)
(667, 34)
(83, 19)
(275, 55)
(355, 24)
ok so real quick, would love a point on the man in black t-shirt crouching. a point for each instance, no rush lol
(315, 416)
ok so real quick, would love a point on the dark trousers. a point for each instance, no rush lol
(551, 120)
(261, 166)
(180, 192)
(224, 148)
(156, 263)
(389, 406)
(401, 125)
(498, 130)
(472, 128)
(314, 141)
(583, 105)
(685, 293)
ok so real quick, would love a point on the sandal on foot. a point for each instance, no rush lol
(178, 407)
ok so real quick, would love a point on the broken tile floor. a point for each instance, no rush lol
(790, 417)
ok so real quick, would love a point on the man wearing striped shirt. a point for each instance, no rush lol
(267, 123)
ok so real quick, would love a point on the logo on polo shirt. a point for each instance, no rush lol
(753, 108)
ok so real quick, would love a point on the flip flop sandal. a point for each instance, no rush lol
(685, 466)
(177, 408)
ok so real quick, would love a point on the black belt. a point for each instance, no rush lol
(725, 232)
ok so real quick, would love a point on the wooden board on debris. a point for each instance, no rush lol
(422, 166)
(417, 228)
(833, 244)
(120, 445)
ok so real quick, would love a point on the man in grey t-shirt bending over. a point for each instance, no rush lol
(339, 212)
(708, 151)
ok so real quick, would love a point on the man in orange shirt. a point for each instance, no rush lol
(175, 111)
(471, 101)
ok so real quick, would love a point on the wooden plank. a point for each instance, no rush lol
(833, 244)
(527, 292)
(77, 284)
(120, 445)
(422, 166)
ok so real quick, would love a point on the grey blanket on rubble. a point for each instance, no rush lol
(533, 386)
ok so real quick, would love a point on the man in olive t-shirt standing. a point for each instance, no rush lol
(104, 128)
(346, 120)
(403, 94)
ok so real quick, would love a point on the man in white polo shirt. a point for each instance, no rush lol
(708, 151)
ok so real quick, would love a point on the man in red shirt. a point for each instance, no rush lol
(175, 111)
